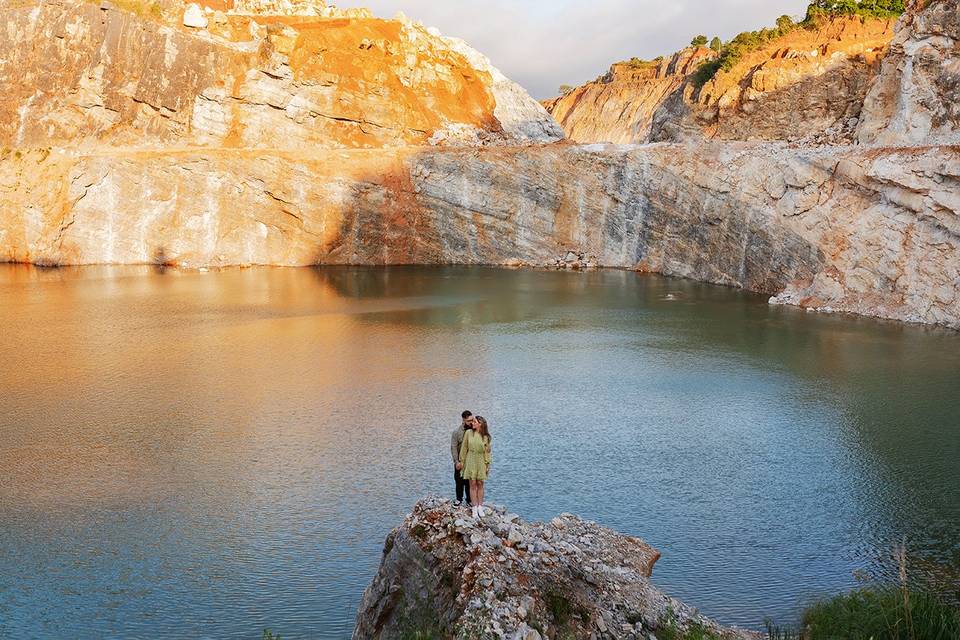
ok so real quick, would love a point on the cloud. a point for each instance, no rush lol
(545, 43)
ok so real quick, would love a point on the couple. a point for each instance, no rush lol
(470, 448)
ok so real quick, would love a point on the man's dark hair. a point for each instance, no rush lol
(466, 414)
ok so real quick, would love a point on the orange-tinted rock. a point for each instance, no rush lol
(77, 73)
(805, 84)
(619, 106)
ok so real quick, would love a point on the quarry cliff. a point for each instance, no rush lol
(219, 134)
(808, 83)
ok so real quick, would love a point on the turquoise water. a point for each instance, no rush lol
(209, 454)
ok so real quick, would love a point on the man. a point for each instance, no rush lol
(463, 487)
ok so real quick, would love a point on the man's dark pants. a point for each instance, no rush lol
(463, 486)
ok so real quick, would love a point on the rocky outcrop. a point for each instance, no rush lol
(445, 574)
(916, 98)
(84, 75)
(807, 84)
(619, 106)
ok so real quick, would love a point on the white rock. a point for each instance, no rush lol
(193, 16)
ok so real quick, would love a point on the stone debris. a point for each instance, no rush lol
(447, 574)
(574, 260)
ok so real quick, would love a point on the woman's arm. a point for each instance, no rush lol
(487, 454)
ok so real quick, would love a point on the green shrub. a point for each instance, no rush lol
(819, 9)
(419, 531)
(699, 41)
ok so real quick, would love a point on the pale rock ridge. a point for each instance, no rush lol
(449, 575)
(522, 118)
(278, 7)
(618, 107)
(916, 97)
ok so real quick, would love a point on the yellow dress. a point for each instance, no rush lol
(475, 456)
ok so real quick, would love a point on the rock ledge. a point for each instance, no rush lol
(444, 574)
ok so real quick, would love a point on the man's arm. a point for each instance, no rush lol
(455, 447)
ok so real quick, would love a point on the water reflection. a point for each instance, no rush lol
(212, 453)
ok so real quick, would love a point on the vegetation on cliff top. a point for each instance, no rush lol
(730, 53)
(818, 12)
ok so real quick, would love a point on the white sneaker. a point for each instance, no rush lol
(473, 512)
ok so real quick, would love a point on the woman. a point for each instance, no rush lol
(475, 456)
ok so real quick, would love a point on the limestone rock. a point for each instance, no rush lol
(279, 7)
(916, 97)
(803, 84)
(434, 583)
(118, 78)
(521, 117)
(618, 107)
(193, 16)
(873, 231)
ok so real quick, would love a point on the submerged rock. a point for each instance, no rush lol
(446, 575)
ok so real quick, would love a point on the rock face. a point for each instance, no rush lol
(805, 84)
(334, 137)
(808, 84)
(873, 231)
(445, 574)
(916, 98)
(619, 106)
(78, 74)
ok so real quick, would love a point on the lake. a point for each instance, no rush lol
(207, 454)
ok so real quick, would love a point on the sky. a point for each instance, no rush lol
(545, 43)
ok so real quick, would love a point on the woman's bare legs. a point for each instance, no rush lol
(474, 497)
(480, 500)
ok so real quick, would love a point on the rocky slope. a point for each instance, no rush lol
(805, 83)
(88, 75)
(619, 106)
(444, 574)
